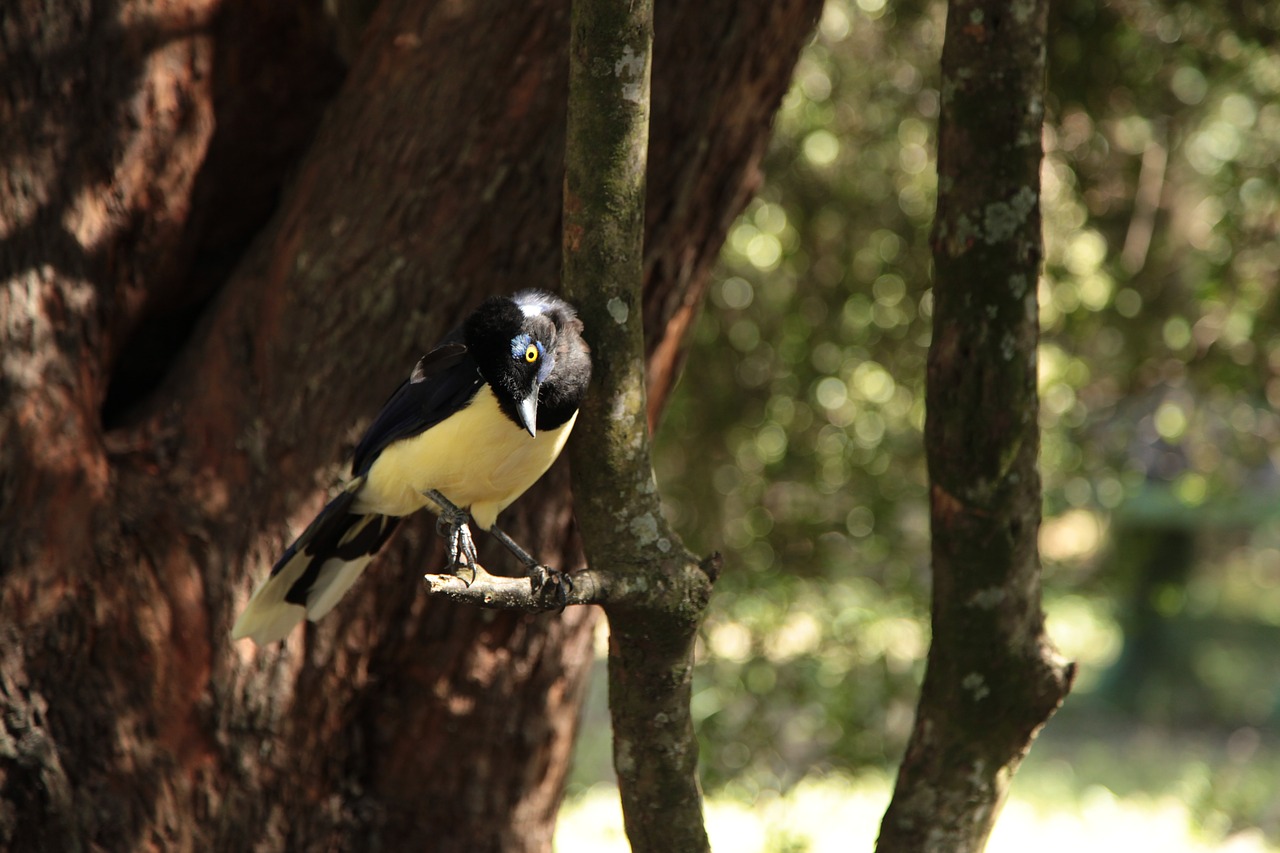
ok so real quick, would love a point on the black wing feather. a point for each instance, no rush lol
(323, 540)
(443, 382)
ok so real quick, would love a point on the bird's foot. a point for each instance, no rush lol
(460, 545)
(541, 577)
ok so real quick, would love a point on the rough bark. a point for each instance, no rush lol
(651, 635)
(992, 678)
(169, 424)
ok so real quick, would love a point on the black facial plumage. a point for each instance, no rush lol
(498, 335)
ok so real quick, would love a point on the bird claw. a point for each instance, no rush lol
(460, 545)
(541, 577)
(462, 550)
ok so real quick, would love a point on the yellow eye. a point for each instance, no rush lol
(531, 354)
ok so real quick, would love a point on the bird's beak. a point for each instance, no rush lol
(528, 411)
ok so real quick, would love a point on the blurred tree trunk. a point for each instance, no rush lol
(1155, 559)
(220, 249)
(992, 678)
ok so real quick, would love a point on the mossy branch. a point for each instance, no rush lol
(624, 532)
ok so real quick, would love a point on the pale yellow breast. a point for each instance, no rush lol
(477, 458)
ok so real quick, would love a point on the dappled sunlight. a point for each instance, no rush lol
(1083, 634)
(1074, 535)
(1159, 383)
(1103, 822)
(837, 814)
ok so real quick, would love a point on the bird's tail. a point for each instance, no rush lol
(316, 570)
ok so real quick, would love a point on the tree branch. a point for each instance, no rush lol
(615, 589)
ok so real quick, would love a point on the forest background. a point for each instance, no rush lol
(1159, 382)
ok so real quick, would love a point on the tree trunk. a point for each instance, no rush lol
(624, 530)
(190, 352)
(992, 678)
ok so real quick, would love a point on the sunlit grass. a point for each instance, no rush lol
(839, 813)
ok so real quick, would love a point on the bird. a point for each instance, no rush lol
(481, 417)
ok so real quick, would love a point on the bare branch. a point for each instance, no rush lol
(585, 586)
(501, 592)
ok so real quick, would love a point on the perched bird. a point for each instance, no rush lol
(481, 418)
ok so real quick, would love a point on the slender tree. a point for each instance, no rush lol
(651, 630)
(220, 248)
(653, 590)
(992, 678)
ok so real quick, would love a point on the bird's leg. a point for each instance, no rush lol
(540, 576)
(460, 547)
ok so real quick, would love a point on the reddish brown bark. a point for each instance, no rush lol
(144, 147)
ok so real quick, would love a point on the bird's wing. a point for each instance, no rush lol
(443, 382)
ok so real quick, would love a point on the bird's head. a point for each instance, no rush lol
(529, 348)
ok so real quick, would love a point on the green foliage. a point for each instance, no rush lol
(809, 365)
(1159, 372)
(1160, 366)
